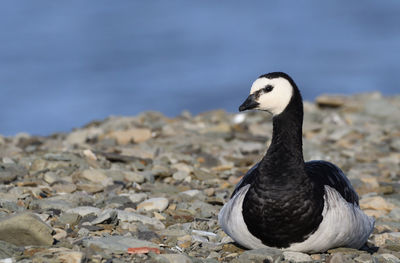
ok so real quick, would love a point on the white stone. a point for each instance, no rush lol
(157, 203)
(180, 175)
(177, 258)
(292, 256)
(128, 216)
(84, 210)
(191, 193)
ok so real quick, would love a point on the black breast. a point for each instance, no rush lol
(282, 213)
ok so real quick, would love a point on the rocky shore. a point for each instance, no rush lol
(149, 188)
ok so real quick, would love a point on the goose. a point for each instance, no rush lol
(284, 202)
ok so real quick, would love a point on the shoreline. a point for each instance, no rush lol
(155, 184)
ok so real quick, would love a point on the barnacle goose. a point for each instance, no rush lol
(284, 202)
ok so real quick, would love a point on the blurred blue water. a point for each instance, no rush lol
(63, 64)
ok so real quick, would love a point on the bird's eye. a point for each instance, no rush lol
(268, 88)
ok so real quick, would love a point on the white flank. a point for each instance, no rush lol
(343, 224)
(231, 220)
(276, 100)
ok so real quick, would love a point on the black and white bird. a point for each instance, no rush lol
(284, 202)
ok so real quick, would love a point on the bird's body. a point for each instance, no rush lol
(287, 203)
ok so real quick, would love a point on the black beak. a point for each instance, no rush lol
(249, 103)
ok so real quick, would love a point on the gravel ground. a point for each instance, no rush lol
(149, 188)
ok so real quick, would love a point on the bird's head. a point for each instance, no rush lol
(271, 92)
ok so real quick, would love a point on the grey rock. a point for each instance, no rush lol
(395, 213)
(106, 215)
(10, 171)
(25, 230)
(7, 250)
(117, 243)
(128, 216)
(340, 258)
(52, 203)
(180, 175)
(84, 210)
(260, 255)
(174, 258)
(98, 176)
(136, 197)
(292, 256)
(71, 219)
(364, 258)
(388, 258)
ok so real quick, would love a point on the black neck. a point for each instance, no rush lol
(286, 149)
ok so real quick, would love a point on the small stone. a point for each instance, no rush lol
(55, 255)
(135, 135)
(70, 219)
(96, 176)
(90, 188)
(180, 175)
(375, 213)
(376, 203)
(80, 136)
(59, 234)
(389, 258)
(7, 250)
(135, 197)
(64, 187)
(107, 215)
(117, 243)
(52, 203)
(84, 210)
(292, 256)
(134, 177)
(209, 191)
(25, 230)
(191, 193)
(90, 155)
(395, 214)
(70, 257)
(128, 216)
(380, 239)
(340, 258)
(10, 172)
(261, 255)
(157, 203)
(158, 216)
(330, 101)
(176, 258)
(364, 258)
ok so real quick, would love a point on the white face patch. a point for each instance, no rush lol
(276, 100)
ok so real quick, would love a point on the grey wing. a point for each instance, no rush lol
(248, 178)
(325, 173)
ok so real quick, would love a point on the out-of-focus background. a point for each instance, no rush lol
(63, 64)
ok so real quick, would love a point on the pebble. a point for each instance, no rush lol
(25, 229)
(176, 258)
(84, 210)
(117, 243)
(292, 256)
(134, 135)
(260, 255)
(330, 101)
(157, 203)
(132, 182)
(376, 203)
(127, 216)
(7, 250)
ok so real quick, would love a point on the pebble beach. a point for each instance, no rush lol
(148, 188)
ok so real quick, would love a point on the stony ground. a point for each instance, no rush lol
(149, 188)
